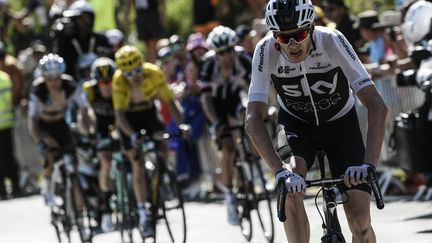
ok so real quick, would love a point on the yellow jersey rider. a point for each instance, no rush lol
(136, 86)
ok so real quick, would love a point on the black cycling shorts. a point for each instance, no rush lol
(60, 131)
(341, 140)
(146, 119)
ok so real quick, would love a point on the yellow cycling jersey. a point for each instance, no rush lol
(153, 86)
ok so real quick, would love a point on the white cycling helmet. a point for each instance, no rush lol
(283, 15)
(103, 68)
(52, 65)
(81, 6)
(221, 38)
(417, 22)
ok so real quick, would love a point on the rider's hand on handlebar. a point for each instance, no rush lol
(356, 175)
(293, 182)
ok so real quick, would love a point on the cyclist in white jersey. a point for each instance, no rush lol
(224, 78)
(316, 73)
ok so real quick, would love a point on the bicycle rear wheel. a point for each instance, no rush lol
(59, 217)
(244, 205)
(263, 203)
(126, 202)
(171, 208)
(79, 213)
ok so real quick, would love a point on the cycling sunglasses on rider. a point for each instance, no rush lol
(103, 82)
(133, 72)
(297, 36)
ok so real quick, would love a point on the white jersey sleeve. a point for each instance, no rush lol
(79, 97)
(342, 54)
(260, 81)
(35, 106)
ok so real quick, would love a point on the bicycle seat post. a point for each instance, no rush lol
(321, 159)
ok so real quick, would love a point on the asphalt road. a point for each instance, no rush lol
(27, 220)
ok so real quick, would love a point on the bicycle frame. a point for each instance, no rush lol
(248, 199)
(158, 178)
(332, 228)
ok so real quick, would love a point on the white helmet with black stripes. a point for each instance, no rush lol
(221, 38)
(284, 15)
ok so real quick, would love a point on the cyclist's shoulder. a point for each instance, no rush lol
(266, 42)
(152, 70)
(89, 86)
(325, 37)
(118, 80)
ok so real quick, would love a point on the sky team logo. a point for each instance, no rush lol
(325, 93)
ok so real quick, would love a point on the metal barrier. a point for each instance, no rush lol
(397, 99)
(25, 153)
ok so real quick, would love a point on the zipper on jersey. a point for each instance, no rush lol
(305, 83)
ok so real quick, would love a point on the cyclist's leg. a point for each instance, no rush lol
(344, 147)
(357, 211)
(54, 130)
(300, 157)
(227, 160)
(104, 153)
(105, 157)
(296, 226)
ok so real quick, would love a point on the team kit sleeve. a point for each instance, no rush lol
(165, 92)
(119, 92)
(34, 106)
(343, 54)
(88, 91)
(260, 78)
(80, 98)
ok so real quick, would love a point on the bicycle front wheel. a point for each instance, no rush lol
(79, 209)
(171, 208)
(263, 203)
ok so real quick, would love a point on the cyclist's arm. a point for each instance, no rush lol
(377, 113)
(174, 110)
(208, 107)
(84, 117)
(33, 118)
(167, 95)
(255, 114)
(123, 123)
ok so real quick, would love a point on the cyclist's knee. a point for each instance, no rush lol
(294, 201)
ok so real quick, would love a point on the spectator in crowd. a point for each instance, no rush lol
(257, 7)
(321, 19)
(9, 64)
(382, 43)
(31, 22)
(338, 12)
(150, 20)
(245, 36)
(105, 14)
(5, 20)
(29, 59)
(75, 36)
(204, 15)
(196, 47)
(8, 165)
(115, 38)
